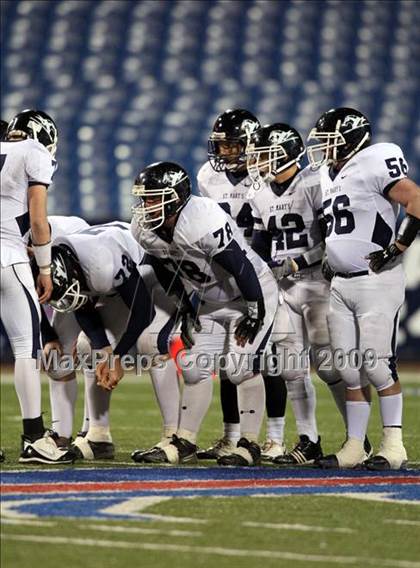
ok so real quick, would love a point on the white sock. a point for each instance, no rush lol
(166, 386)
(90, 379)
(196, 399)
(99, 401)
(391, 409)
(232, 432)
(63, 396)
(28, 387)
(251, 404)
(275, 429)
(358, 413)
(338, 390)
(303, 399)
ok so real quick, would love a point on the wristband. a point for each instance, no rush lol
(45, 270)
(408, 230)
(42, 254)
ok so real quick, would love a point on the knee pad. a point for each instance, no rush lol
(380, 375)
(322, 360)
(193, 369)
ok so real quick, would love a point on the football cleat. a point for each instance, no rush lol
(351, 454)
(45, 450)
(391, 454)
(88, 450)
(222, 447)
(2, 456)
(140, 456)
(178, 451)
(304, 453)
(271, 450)
(246, 453)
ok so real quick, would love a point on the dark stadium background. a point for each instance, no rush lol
(129, 83)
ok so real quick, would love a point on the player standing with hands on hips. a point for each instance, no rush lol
(363, 185)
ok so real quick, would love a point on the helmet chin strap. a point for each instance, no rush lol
(357, 148)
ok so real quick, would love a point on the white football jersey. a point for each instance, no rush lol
(66, 225)
(107, 254)
(231, 197)
(292, 218)
(202, 231)
(360, 219)
(23, 163)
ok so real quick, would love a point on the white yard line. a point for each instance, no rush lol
(298, 527)
(20, 522)
(120, 529)
(402, 522)
(215, 551)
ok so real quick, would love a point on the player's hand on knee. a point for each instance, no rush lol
(190, 323)
(380, 258)
(250, 324)
(44, 287)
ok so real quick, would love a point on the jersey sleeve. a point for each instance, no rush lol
(201, 180)
(39, 165)
(388, 167)
(208, 228)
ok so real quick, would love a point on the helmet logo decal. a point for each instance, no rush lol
(249, 126)
(59, 272)
(173, 178)
(279, 137)
(354, 121)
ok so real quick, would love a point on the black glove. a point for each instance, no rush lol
(250, 324)
(378, 259)
(327, 271)
(189, 324)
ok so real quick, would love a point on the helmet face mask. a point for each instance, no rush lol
(227, 142)
(272, 150)
(337, 136)
(34, 124)
(162, 189)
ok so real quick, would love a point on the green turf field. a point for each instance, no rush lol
(279, 531)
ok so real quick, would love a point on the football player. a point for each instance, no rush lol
(363, 185)
(287, 234)
(96, 273)
(224, 178)
(27, 167)
(193, 244)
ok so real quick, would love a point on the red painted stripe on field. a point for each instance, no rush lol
(63, 487)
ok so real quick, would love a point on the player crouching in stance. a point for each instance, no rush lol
(27, 164)
(362, 185)
(194, 245)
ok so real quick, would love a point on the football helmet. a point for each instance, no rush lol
(69, 283)
(231, 127)
(3, 128)
(271, 150)
(162, 190)
(338, 134)
(35, 124)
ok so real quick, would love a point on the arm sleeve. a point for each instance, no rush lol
(387, 166)
(234, 260)
(91, 323)
(261, 243)
(47, 331)
(311, 257)
(39, 165)
(142, 312)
